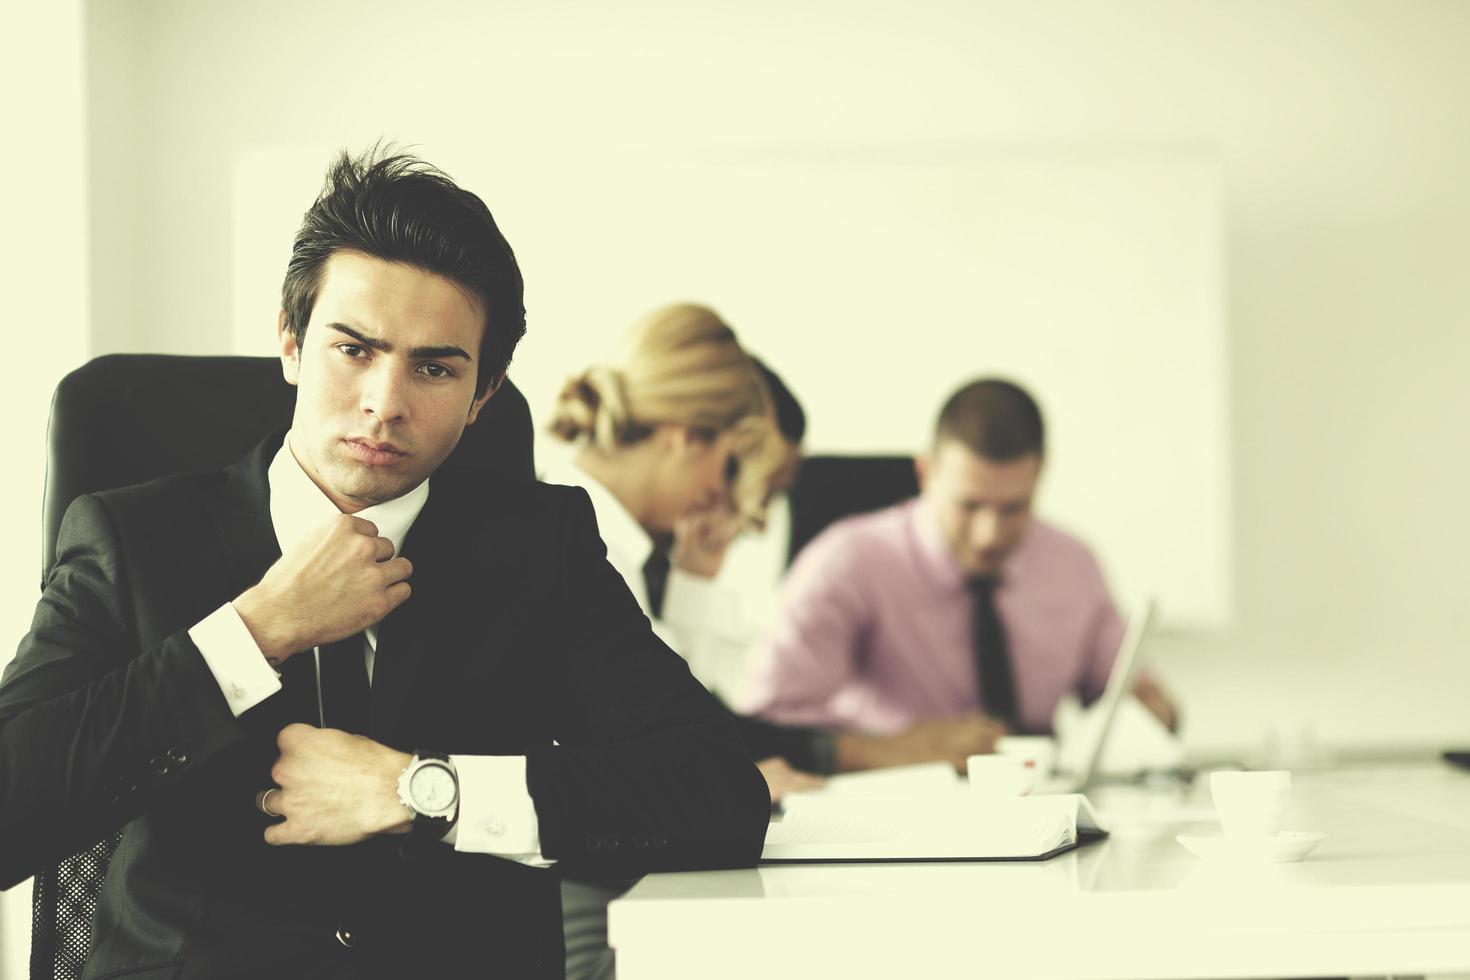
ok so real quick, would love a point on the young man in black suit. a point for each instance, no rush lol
(345, 707)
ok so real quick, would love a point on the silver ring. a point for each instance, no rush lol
(262, 799)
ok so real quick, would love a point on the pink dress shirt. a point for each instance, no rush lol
(874, 629)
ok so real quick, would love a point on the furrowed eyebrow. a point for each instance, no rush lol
(438, 353)
(417, 353)
(361, 338)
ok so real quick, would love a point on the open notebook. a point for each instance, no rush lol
(959, 825)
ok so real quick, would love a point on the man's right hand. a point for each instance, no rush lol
(339, 580)
(950, 740)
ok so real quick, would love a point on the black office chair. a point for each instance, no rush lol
(127, 418)
(831, 487)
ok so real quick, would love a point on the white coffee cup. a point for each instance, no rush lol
(999, 775)
(1250, 804)
(1038, 752)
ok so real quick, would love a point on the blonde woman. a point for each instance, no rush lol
(657, 431)
(673, 438)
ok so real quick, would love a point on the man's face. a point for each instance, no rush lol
(385, 377)
(982, 506)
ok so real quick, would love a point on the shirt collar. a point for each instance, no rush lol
(622, 534)
(298, 506)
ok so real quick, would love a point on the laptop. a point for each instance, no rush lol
(1120, 683)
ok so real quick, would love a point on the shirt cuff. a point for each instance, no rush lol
(496, 814)
(235, 660)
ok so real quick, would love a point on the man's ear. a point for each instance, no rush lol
(479, 402)
(290, 353)
(923, 464)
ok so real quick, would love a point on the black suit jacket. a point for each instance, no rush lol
(519, 638)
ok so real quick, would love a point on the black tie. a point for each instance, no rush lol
(656, 579)
(347, 700)
(992, 659)
(298, 683)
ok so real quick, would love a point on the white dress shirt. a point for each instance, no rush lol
(754, 568)
(701, 618)
(496, 814)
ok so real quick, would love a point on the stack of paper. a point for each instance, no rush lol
(954, 826)
(922, 778)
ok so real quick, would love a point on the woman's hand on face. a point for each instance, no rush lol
(701, 539)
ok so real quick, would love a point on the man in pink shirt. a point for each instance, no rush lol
(958, 611)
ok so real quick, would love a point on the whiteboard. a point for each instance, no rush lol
(877, 281)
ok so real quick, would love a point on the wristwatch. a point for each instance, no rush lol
(429, 787)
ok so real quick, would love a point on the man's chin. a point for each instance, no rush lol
(366, 491)
(987, 567)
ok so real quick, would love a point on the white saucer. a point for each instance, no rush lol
(1287, 846)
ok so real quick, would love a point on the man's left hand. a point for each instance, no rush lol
(336, 788)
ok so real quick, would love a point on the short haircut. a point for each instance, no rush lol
(993, 418)
(398, 208)
(790, 419)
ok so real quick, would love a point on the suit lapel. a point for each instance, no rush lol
(242, 517)
(247, 539)
(453, 608)
(407, 636)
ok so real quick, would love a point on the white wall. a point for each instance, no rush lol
(43, 270)
(1340, 127)
(881, 281)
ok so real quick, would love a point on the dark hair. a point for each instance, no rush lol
(993, 418)
(790, 419)
(398, 208)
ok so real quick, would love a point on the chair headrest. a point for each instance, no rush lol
(832, 487)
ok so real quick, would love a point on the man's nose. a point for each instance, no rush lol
(984, 528)
(385, 395)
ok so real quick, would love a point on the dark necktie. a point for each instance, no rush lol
(992, 658)
(656, 579)
(298, 688)
(347, 700)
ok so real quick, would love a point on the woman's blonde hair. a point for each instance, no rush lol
(680, 365)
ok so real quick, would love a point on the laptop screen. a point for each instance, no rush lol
(1120, 682)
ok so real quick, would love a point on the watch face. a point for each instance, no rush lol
(432, 789)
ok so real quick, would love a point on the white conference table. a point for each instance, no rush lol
(1388, 892)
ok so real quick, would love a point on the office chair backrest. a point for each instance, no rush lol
(127, 418)
(831, 487)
